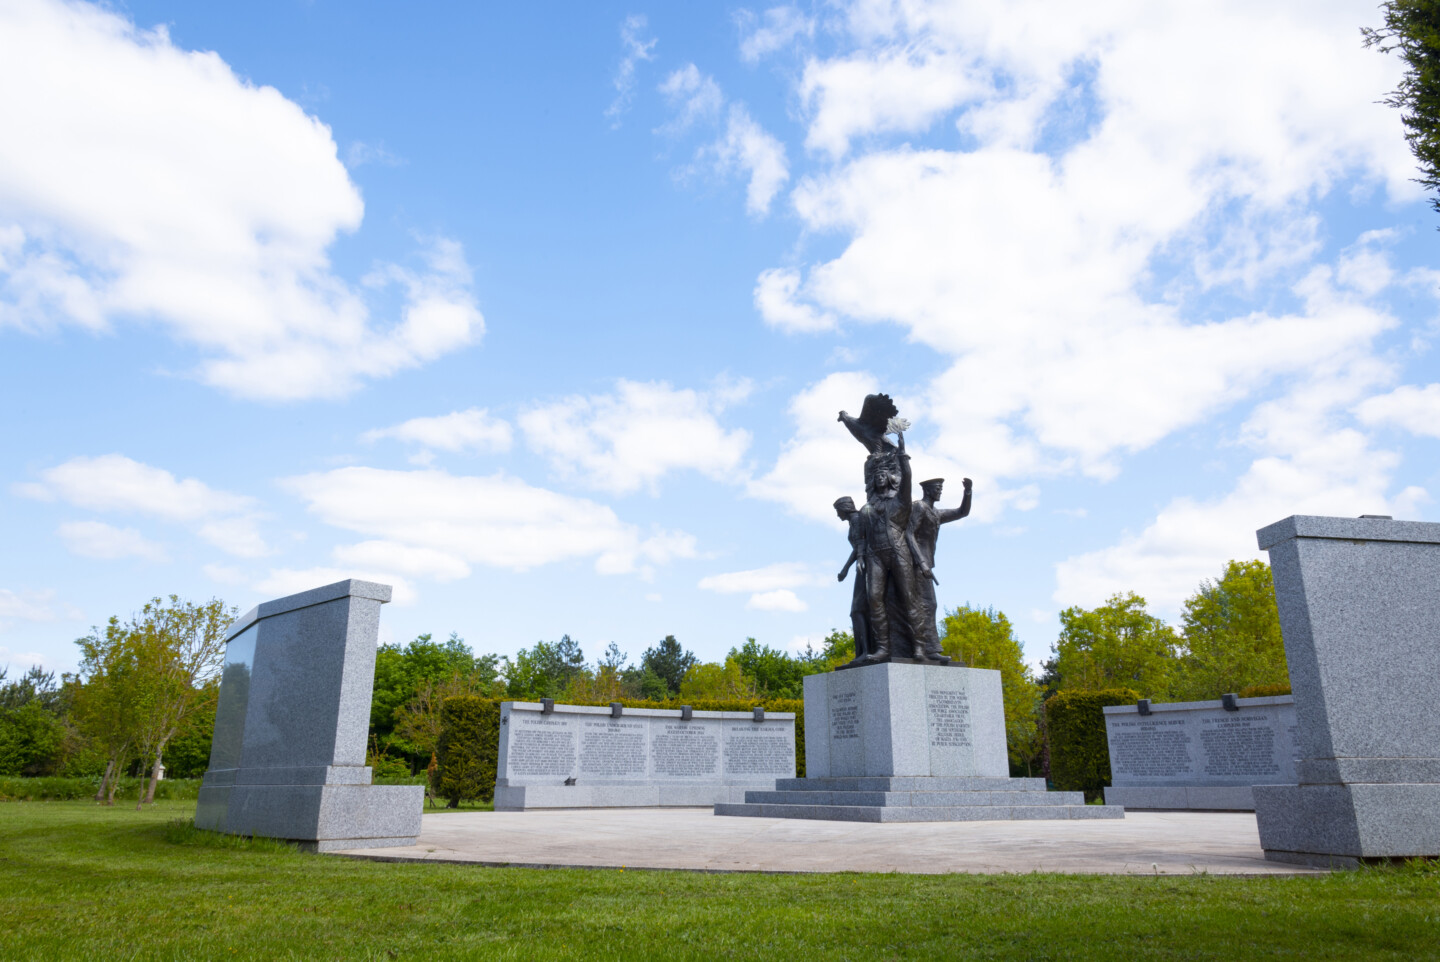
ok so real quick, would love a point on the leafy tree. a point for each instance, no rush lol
(546, 670)
(984, 638)
(707, 680)
(1413, 28)
(180, 646)
(400, 671)
(106, 701)
(668, 661)
(187, 755)
(33, 733)
(1116, 645)
(1232, 634)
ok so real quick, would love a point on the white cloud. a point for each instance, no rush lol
(773, 30)
(224, 574)
(154, 184)
(497, 521)
(778, 600)
(410, 560)
(696, 98)
(1414, 409)
(637, 51)
(96, 539)
(473, 429)
(281, 582)
(628, 440)
(745, 146)
(775, 299)
(1312, 463)
(359, 153)
(31, 606)
(785, 574)
(115, 483)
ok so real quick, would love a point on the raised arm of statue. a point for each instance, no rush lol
(946, 515)
(905, 489)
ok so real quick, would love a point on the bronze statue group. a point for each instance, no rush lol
(892, 541)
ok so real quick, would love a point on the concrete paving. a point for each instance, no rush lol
(1168, 843)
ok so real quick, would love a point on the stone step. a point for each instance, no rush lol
(902, 813)
(915, 799)
(910, 783)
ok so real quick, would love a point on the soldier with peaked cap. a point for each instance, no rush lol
(859, 600)
(923, 533)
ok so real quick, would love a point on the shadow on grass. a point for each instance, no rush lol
(182, 831)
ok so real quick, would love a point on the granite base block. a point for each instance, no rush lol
(314, 815)
(520, 798)
(970, 813)
(1356, 821)
(1208, 798)
(916, 799)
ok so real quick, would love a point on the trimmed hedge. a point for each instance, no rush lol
(469, 744)
(1264, 691)
(1075, 729)
(466, 753)
(59, 789)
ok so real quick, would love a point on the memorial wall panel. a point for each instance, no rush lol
(580, 756)
(1198, 754)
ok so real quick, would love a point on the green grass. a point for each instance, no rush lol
(82, 881)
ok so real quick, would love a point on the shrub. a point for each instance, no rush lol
(1264, 691)
(57, 789)
(466, 752)
(1075, 728)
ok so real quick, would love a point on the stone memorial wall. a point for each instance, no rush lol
(578, 756)
(1198, 755)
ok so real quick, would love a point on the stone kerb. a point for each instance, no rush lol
(288, 755)
(1198, 755)
(1359, 602)
(581, 756)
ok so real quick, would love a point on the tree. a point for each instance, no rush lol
(709, 681)
(106, 700)
(180, 646)
(400, 671)
(419, 722)
(33, 733)
(544, 671)
(669, 662)
(1232, 634)
(1117, 645)
(983, 638)
(1413, 28)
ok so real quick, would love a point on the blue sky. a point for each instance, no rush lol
(543, 313)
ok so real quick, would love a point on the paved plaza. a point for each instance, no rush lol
(1168, 843)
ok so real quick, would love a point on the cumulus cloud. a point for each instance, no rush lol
(154, 184)
(473, 429)
(1411, 408)
(771, 31)
(32, 606)
(96, 539)
(113, 483)
(694, 96)
(289, 581)
(1115, 253)
(769, 587)
(637, 50)
(629, 440)
(780, 599)
(432, 523)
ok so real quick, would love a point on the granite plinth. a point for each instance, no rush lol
(288, 756)
(905, 719)
(896, 742)
(579, 756)
(1360, 619)
(1199, 754)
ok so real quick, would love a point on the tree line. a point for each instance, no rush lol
(145, 694)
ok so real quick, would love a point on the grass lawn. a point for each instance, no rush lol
(81, 881)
